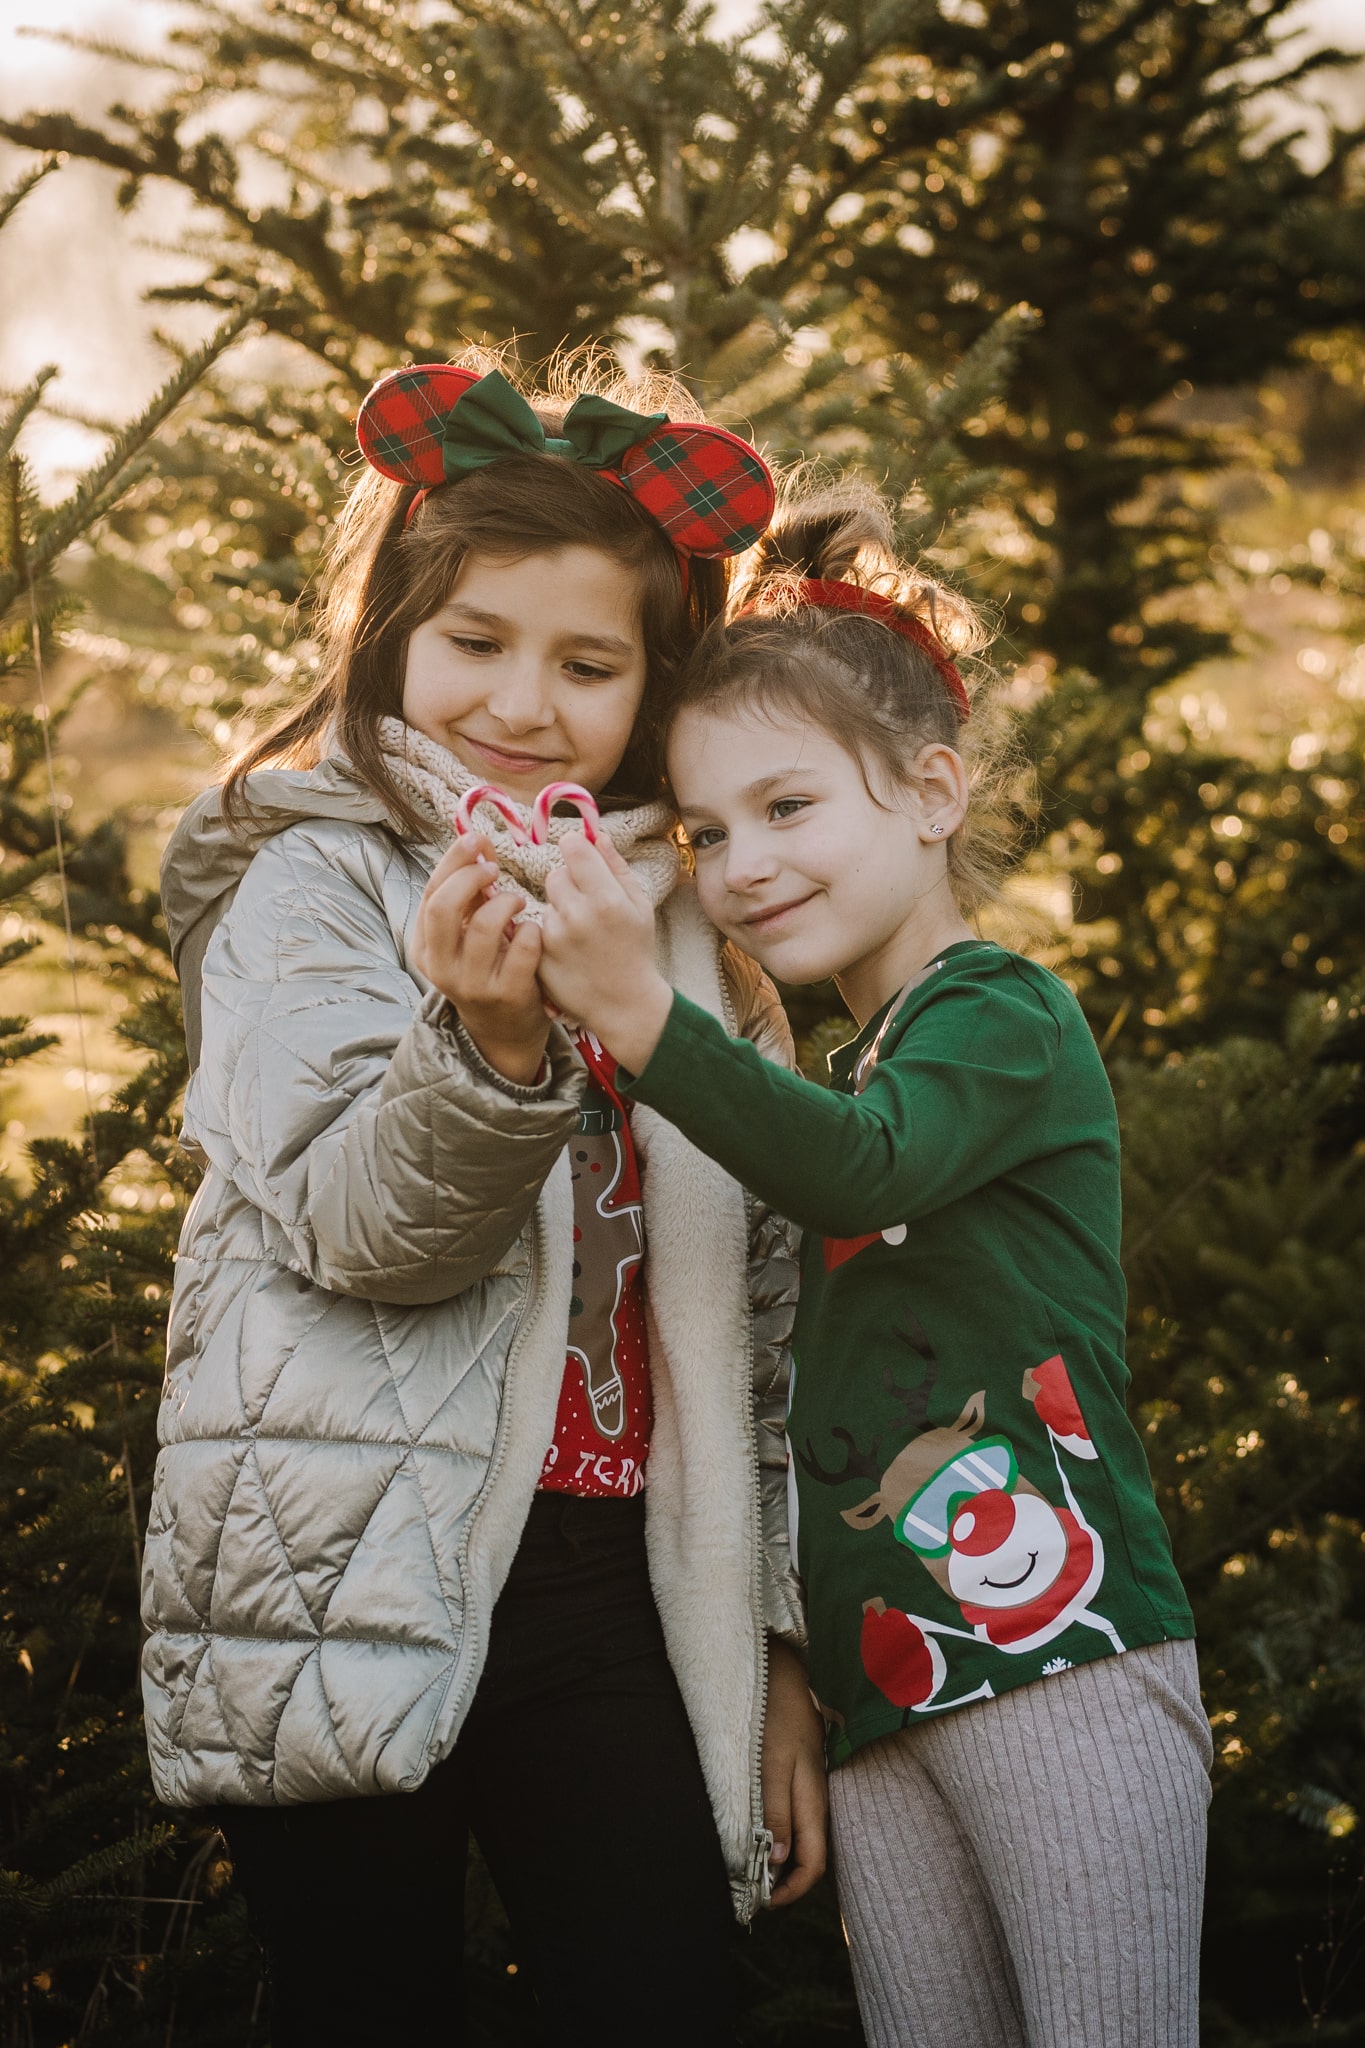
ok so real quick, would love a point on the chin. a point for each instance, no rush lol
(794, 964)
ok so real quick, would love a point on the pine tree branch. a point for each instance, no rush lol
(101, 46)
(14, 881)
(24, 404)
(1279, 1510)
(105, 483)
(17, 1044)
(14, 198)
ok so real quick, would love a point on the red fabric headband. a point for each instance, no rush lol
(851, 597)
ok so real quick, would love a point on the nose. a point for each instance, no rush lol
(749, 861)
(519, 698)
(983, 1524)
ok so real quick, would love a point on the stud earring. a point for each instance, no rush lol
(936, 830)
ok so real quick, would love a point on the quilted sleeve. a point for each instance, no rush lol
(774, 1247)
(338, 1097)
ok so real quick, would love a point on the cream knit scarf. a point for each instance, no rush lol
(433, 781)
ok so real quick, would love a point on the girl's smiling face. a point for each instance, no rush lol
(802, 866)
(533, 671)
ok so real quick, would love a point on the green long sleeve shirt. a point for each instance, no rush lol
(975, 1507)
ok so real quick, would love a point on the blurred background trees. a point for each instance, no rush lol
(1063, 274)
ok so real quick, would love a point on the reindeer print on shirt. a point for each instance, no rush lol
(976, 1506)
(1019, 1569)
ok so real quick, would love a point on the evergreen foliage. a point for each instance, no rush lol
(97, 1887)
(1245, 1244)
(994, 252)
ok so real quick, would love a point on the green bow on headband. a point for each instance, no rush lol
(492, 420)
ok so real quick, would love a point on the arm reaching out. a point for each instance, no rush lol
(945, 1112)
(597, 958)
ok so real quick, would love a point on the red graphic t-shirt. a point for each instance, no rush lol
(601, 1438)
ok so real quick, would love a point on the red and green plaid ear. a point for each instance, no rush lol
(401, 426)
(711, 492)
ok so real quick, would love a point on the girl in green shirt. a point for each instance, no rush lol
(998, 1638)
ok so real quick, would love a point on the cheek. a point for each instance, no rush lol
(411, 688)
(879, 865)
(600, 724)
(825, 852)
(711, 886)
(433, 685)
(414, 700)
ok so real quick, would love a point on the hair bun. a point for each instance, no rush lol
(825, 535)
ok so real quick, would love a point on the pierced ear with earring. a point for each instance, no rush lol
(937, 831)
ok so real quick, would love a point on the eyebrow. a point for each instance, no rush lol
(473, 611)
(767, 782)
(754, 789)
(607, 643)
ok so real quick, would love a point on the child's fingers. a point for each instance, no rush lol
(614, 859)
(588, 866)
(560, 887)
(461, 853)
(487, 933)
(602, 874)
(441, 917)
(809, 1808)
(521, 960)
(453, 899)
(777, 1814)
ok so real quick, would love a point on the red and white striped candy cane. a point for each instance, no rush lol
(564, 793)
(486, 793)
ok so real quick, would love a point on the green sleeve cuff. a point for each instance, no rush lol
(672, 1077)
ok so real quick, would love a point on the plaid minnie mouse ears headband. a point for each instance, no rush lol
(433, 423)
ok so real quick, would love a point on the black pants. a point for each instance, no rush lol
(577, 1773)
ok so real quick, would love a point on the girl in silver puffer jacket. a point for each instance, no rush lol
(470, 1511)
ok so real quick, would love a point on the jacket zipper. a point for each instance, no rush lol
(526, 1319)
(759, 1873)
(760, 1835)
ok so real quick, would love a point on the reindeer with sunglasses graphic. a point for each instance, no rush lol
(1020, 1570)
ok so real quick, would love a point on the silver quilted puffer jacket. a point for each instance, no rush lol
(368, 1337)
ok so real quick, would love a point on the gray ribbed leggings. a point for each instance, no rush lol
(1029, 1872)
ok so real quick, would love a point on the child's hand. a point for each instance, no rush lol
(795, 1794)
(468, 946)
(597, 956)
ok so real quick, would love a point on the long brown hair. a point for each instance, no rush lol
(875, 691)
(387, 574)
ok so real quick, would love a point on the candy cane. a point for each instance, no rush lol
(485, 793)
(564, 793)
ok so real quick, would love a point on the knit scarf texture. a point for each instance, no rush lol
(433, 782)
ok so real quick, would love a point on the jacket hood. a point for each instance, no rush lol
(206, 856)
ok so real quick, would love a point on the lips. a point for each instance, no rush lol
(506, 759)
(764, 921)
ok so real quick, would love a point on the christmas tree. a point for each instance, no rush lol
(98, 1890)
(825, 220)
